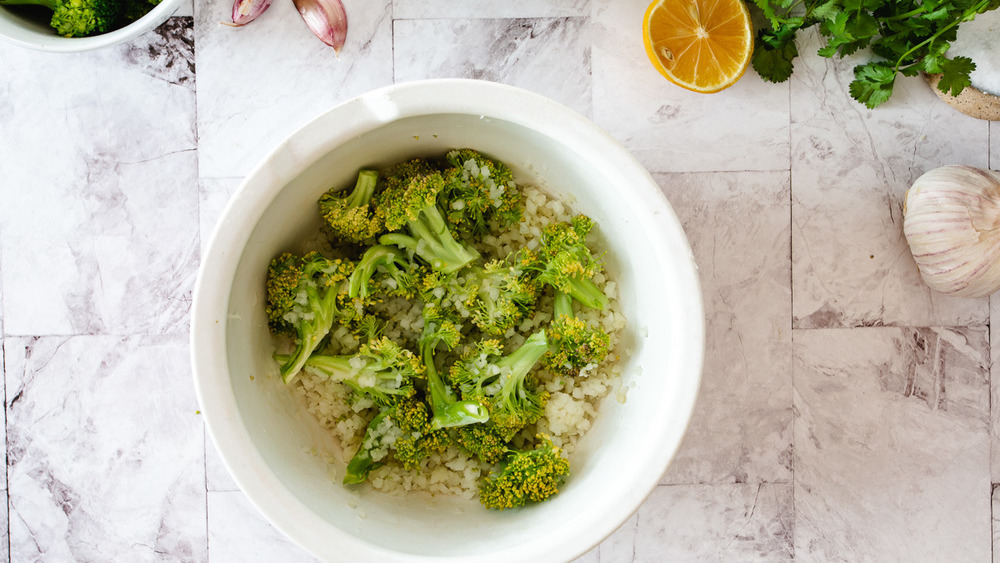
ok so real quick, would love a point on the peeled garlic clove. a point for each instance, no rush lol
(245, 11)
(327, 19)
(951, 220)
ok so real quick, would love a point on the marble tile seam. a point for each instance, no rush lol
(889, 326)
(111, 334)
(730, 483)
(206, 444)
(491, 18)
(993, 164)
(771, 170)
(222, 177)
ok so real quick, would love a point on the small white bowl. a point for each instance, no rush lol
(275, 451)
(19, 28)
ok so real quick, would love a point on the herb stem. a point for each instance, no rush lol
(973, 10)
(905, 15)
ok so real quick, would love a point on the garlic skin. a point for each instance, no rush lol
(327, 19)
(951, 220)
(245, 11)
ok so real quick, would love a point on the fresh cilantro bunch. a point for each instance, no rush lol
(907, 36)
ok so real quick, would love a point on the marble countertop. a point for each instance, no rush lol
(846, 412)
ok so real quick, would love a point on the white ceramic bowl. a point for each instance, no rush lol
(19, 27)
(270, 445)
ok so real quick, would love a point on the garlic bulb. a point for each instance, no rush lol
(951, 220)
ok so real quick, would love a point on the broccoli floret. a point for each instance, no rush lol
(525, 476)
(486, 441)
(495, 296)
(573, 344)
(352, 217)
(401, 428)
(381, 370)
(504, 296)
(384, 372)
(78, 18)
(501, 383)
(417, 439)
(563, 261)
(400, 174)
(305, 297)
(447, 411)
(369, 328)
(477, 192)
(385, 267)
(453, 293)
(411, 202)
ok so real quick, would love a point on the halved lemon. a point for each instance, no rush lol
(701, 45)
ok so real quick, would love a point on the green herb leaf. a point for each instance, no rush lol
(873, 83)
(827, 10)
(912, 36)
(863, 6)
(768, 10)
(774, 64)
(955, 75)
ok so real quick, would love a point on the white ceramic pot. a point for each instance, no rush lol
(268, 442)
(17, 27)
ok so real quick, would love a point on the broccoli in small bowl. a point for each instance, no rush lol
(79, 25)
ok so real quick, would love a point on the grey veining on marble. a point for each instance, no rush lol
(117, 175)
(735, 522)
(892, 444)
(105, 450)
(487, 9)
(548, 55)
(232, 521)
(213, 195)
(994, 145)
(257, 84)
(994, 338)
(217, 477)
(995, 504)
(4, 507)
(846, 413)
(741, 428)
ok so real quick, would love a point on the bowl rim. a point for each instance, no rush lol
(54, 43)
(353, 117)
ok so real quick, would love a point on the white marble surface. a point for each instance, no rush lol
(846, 412)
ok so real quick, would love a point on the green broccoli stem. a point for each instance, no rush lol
(379, 255)
(359, 467)
(364, 188)
(448, 412)
(310, 333)
(587, 293)
(515, 368)
(344, 369)
(433, 242)
(562, 305)
(502, 384)
(337, 368)
(381, 385)
(362, 462)
(520, 361)
(402, 241)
